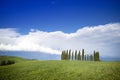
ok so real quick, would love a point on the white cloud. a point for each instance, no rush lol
(103, 38)
(8, 32)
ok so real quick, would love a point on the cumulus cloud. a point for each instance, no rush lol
(103, 38)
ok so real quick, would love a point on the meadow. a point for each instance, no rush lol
(24, 69)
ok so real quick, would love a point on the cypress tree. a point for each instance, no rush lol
(76, 55)
(79, 57)
(82, 54)
(69, 54)
(85, 58)
(97, 56)
(62, 56)
(65, 56)
(72, 55)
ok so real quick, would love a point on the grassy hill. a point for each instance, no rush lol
(16, 59)
(59, 70)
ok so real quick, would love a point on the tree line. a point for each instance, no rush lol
(78, 55)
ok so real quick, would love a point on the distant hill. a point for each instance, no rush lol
(31, 55)
(15, 58)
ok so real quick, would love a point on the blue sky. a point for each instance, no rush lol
(46, 27)
(54, 15)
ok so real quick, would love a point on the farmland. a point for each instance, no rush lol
(59, 70)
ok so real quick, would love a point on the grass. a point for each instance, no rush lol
(60, 70)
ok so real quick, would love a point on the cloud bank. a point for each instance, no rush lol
(102, 38)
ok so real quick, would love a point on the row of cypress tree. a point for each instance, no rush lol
(74, 55)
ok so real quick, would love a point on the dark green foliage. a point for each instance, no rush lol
(96, 56)
(66, 55)
(3, 62)
(82, 54)
(62, 55)
(10, 62)
(72, 55)
(79, 57)
(69, 54)
(6, 62)
(76, 55)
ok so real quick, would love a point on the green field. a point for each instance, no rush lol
(59, 70)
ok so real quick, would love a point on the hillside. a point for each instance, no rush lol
(59, 70)
(16, 59)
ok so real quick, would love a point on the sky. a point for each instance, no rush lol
(50, 26)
